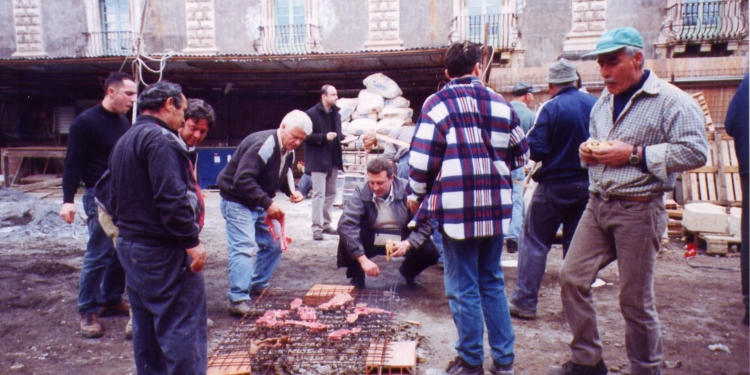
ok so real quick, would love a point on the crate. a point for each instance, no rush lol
(718, 181)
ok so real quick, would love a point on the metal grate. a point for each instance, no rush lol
(299, 350)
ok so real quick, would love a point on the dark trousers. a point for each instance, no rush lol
(168, 303)
(744, 252)
(416, 260)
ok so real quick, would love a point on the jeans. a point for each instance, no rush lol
(253, 253)
(305, 185)
(437, 238)
(551, 205)
(629, 232)
(102, 278)
(168, 303)
(744, 252)
(403, 167)
(475, 288)
(516, 221)
(324, 192)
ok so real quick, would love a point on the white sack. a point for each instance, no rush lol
(380, 84)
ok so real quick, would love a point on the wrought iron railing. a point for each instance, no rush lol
(501, 30)
(706, 21)
(287, 39)
(109, 43)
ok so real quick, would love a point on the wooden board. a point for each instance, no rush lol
(718, 244)
(718, 181)
(322, 293)
(393, 358)
(237, 363)
(701, 99)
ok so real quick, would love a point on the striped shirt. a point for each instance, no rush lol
(664, 119)
(466, 142)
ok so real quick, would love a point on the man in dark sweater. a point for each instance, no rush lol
(562, 193)
(737, 126)
(93, 134)
(247, 185)
(323, 159)
(158, 208)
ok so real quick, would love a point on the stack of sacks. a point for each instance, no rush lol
(379, 108)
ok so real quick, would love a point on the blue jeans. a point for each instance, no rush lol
(437, 238)
(253, 254)
(475, 288)
(102, 278)
(168, 302)
(551, 205)
(305, 185)
(516, 221)
(403, 167)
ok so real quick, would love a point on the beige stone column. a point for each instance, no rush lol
(27, 18)
(588, 25)
(201, 27)
(384, 25)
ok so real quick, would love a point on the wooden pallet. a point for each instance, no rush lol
(394, 358)
(717, 244)
(718, 181)
(701, 99)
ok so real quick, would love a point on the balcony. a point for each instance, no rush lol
(501, 30)
(696, 22)
(287, 39)
(111, 43)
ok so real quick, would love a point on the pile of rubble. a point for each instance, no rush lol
(23, 216)
(378, 108)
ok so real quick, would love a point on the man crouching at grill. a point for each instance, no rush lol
(374, 215)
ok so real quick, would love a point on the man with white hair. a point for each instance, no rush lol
(259, 167)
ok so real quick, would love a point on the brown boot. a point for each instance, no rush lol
(90, 326)
(121, 308)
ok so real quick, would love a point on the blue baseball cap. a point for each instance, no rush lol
(616, 39)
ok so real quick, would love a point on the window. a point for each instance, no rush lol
(481, 13)
(701, 18)
(290, 23)
(115, 16)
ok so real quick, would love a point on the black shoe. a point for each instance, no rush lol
(413, 283)
(511, 246)
(459, 367)
(330, 231)
(318, 235)
(570, 368)
(358, 282)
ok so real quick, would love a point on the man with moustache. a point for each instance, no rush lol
(654, 131)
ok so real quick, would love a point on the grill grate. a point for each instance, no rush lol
(255, 349)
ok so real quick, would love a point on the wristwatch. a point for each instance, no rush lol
(634, 158)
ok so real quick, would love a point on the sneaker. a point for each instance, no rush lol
(239, 308)
(90, 326)
(258, 292)
(413, 282)
(129, 328)
(570, 368)
(358, 282)
(511, 246)
(521, 313)
(459, 367)
(318, 235)
(330, 231)
(498, 369)
(121, 308)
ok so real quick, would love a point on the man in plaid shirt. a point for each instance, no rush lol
(653, 131)
(467, 141)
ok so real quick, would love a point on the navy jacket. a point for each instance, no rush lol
(322, 155)
(254, 174)
(562, 125)
(154, 197)
(737, 124)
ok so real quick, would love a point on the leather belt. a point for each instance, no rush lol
(626, 198)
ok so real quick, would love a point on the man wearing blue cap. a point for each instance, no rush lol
(648, 131)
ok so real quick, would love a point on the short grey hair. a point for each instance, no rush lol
(298, 119)
(154, 96)
(631, 51)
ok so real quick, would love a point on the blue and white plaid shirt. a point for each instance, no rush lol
(664, 119)
(467, 140)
